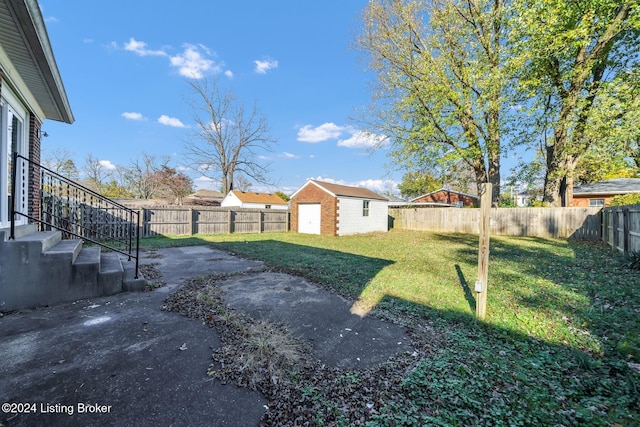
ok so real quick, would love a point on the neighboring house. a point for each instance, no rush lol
(242, 199)
(523, 198)
(31, 91)
(599, 194)
(337, 210)
(204, 198)
(447, 197)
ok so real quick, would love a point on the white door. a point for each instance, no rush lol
(309, 218)
(13, 138)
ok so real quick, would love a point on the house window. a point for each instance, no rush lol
(267, 206)
(596, 203)
(365, 208)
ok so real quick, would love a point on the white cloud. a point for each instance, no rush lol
(363, 139)
(205, 183)
(320, 133)
(229, 74)
(289, 155)
(329, 180)
(133, 116)
(107, 164)
(263, 66)
(380, 186)
(170, 121)
(191, 62)
(140, 48)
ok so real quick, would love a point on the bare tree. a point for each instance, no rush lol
(139, 177)
(59, 161)
(96, 173)
(227, 139)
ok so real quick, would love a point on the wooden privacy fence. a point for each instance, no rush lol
(562, 223)
(178, 220)
(621, 228)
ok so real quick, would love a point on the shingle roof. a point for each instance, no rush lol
(444, 189)
(611, 186)
(208, 194)
(348, 191)
(267, 199)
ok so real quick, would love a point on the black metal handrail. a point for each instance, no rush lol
(76, 210)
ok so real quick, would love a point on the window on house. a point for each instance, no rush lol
(596, 203)
(267, 206)
(365, 208)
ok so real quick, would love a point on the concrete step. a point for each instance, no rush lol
(84, 274)
(20, 230)
(110, 274)
(65, 249)
(129, 282)
(46, 239)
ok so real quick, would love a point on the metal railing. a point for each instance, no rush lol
(75, 210)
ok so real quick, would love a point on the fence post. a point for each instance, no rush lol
(615, 223)
(625, 230)
(190, 226)
(229, 221)
(483, 251)
(260, 222)
(142, 214)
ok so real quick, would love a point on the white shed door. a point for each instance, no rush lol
(309, 218)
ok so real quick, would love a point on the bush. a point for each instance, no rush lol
(632, 261)
(625, 199)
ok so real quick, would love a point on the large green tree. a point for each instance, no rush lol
(570, 57)
(439, 88)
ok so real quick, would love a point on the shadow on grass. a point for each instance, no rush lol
(489, 375)
(465, 287)
(476, 373)
(581, 283)
(354, 272)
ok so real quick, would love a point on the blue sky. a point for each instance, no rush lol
(125, 67)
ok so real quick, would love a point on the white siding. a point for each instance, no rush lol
(352, 221)
(231, 200)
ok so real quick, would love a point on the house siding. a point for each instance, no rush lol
(328, 208)
(351, 219)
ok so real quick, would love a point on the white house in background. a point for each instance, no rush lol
(245, 199)
(337, 210)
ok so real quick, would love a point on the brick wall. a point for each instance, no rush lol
(328, 208)
(448, 197)
(583, 201)
(34, 173)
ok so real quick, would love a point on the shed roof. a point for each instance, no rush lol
(25, 44)
(609, 187)
(339, 190)
(267, 199)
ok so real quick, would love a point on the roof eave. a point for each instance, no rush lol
(30, 20)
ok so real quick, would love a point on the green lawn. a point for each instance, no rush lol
(561, 331)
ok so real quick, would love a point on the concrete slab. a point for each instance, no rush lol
(341, 339)
(138, 365)
(122, 353)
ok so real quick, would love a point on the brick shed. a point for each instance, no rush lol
(337, 210)
(448, 197)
